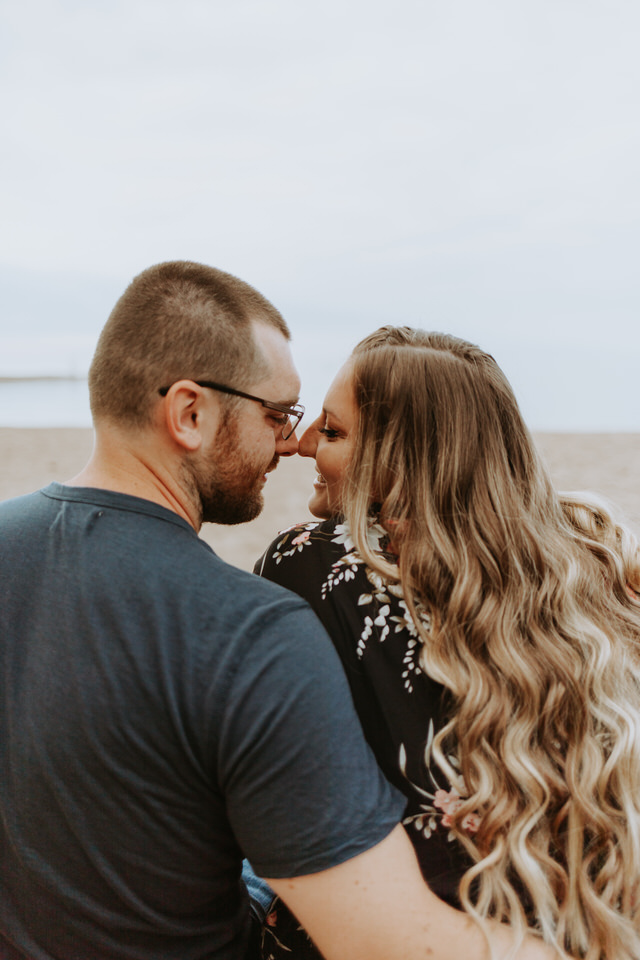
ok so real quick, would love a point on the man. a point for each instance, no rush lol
(163, 714)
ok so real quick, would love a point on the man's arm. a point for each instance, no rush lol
(377, 906)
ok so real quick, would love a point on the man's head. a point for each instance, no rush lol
(228, 474)
(176, 320)
(179, 332)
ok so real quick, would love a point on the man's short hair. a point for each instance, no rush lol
(176, 320)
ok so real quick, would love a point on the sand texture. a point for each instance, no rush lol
(608, 464)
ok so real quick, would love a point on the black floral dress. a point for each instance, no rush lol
(400, 707)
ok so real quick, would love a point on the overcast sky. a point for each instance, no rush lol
(464, 165)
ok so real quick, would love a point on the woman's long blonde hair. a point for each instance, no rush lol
(535, 632)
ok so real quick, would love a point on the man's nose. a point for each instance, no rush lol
(287, 448)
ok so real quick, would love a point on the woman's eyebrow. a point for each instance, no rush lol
(330, 413)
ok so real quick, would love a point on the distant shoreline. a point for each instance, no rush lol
(37, 378)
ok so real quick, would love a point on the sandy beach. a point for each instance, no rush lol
(606, 463)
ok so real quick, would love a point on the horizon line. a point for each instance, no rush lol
(43, 376)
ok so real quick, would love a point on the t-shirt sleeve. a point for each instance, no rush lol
(301, 785)
(310, 561)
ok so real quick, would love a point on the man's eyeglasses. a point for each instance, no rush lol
(291, 416)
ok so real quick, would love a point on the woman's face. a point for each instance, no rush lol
(329, 440)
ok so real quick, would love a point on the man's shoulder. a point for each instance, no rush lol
(130, 540)
(180, 569)
(20, 514)
(219, 581)
(185, 573)
(20, 504)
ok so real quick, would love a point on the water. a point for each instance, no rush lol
(566, 390)
(61, 402)
(65, 403)
(44, 403)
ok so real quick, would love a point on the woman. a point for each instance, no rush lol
(490, 637)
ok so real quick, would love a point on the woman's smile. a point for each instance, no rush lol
(329, 440)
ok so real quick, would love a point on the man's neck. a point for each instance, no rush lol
(128, 464)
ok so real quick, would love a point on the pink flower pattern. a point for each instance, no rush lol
(297, 544)
(450, 802)
(438, 809)
(301, 538)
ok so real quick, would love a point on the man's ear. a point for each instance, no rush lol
(189, 415)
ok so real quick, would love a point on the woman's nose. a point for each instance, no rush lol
(308, 443)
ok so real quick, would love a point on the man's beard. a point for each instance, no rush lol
(228, 484)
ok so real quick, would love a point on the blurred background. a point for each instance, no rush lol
(468, 166)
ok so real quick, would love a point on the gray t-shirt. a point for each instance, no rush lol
(162, 714)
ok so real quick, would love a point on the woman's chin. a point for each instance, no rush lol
(319, 505)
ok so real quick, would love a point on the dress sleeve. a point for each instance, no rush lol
(301, 559)
(286, 558)
(399, 706)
